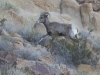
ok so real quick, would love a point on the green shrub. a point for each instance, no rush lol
(74, 53)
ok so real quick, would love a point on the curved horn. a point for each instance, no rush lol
(44, 13)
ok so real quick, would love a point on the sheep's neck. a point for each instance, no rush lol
(46, 23)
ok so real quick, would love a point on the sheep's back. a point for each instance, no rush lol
(58, 27)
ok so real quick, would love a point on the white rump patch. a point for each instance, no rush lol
(74, 29)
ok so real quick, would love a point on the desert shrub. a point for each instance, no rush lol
(30, 53)
(4, 5)
(3, 67)
(74, 53)
(5, 44)
(28, 33)
(96, 44)
(33, 36)
(25, 54)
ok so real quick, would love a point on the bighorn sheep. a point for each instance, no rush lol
(67, 30)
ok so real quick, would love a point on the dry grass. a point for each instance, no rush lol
(89, 73)
(5, 5)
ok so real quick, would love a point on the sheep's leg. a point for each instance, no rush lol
(42, 38)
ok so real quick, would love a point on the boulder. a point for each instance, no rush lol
(96, 6)
(5, 33)
(98, 65)
(14, 39)
(9, 57)
(85, 68)
(85, 11)
(47, 5)
(40, 68)
(18, 45)
(14, 34)
(68, 6)
(86, 1)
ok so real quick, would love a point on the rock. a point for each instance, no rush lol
(0, 72)
(21, 64)
(86, 9)
(95, 22)
(40, 28)
(47, 5)
(89, 17)
(86, 1)
(18, 45)
(15, 17)
(67, 17)
(21, 16)
(40, 68)
(96, 6)
(14, 34)
(38, 47)
(95, 3)
(11, 58)
(5, 33)
(15, 39)
(80, 1)
(47, 43)
(85, 68)
(64, 69)
(32, 67)
(90, 1)
(70, 7)
(27, 44)
(98, 65)
(46, 59)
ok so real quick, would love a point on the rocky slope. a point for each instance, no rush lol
(20, 56)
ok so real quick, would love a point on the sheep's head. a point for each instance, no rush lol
(43, 17)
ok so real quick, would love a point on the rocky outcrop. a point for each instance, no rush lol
(96, 6)
(38, 67)
(43, 66)
(89, 18)
(95, 3)
(47, 5)
(19, 55)
(71, 8)
(85, 68)
(86, 1)
(85, 11)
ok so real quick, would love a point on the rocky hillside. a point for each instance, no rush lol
(19, 54)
